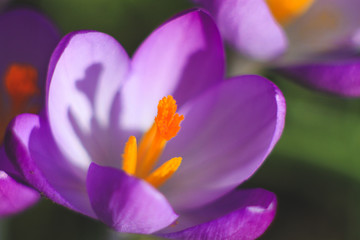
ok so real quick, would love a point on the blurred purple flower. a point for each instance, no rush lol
(324, 44)
(249, 26)
(256, 28)
(99, 102)
(26, 43)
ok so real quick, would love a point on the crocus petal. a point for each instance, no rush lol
(125, 203)
(249, 26)
(338, 77)
(27, 37)
(14, 196)
(7, 165)
(86, 72)
(240, 215)
(226, 135)
(183, 57)
(325, 25)
(30, 145)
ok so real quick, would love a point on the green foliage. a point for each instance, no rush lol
(130, 21)
(321, 129)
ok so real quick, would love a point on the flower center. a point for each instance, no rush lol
(285, 11)
(139, 161)
(20, 82)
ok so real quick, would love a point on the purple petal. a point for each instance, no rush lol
(7, 166)
(249, 26)
(27, 37)
(226, 135)
(15, 197)
(126, 203)
(340, 77)
(86, 72)
(240, 215)
(30, 145)
(183, 57)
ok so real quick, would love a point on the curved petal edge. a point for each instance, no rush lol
(340, 77)
(17, 148)
(238, 122)
(252, 213)
(126, 203)
(15, 197)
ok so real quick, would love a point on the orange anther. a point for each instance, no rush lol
(167, 120)
(130, 156)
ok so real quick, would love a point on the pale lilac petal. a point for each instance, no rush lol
(126, 203)
(225, 136)
(30, 145)
(324, 26)
(183, 57)
(86, 72)
(15, 197)
(240, 215)
(27, 37)
(249, 26)
(340, 77)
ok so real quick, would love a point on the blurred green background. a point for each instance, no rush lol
(314, 169)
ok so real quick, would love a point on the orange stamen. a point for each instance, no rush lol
(165, 127)
(150, 158)
(285, 11)
(164, 172)
(146, 141)
(130, 156)
(20, 81)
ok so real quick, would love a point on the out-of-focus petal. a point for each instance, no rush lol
(183, 57)
(14, 196)
(324, 26)
(240, 215)
(30, 145)
(27, 37)
(249, 26)
(86, 72)
(340, 77)
(2, 4)
(226, 135)
(126, 203)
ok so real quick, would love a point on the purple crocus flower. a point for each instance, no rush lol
(110, 121)
(306, 29)
(26, 43)
(323, 47)
(261, 29)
